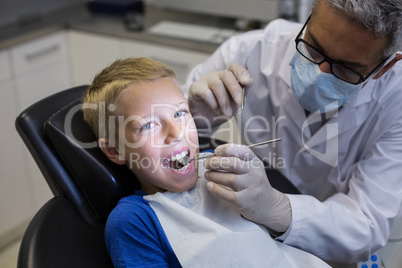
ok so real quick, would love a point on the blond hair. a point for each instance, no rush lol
(109, 85)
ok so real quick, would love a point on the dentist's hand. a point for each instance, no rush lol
(248, 189)
(217, 95)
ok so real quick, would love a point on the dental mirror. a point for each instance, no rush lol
(187, 160)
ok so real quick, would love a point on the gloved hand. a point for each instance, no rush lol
(238, 176)
(216, 97)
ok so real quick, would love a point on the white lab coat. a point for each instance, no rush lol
(349, 171)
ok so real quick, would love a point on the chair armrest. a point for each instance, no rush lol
(280, 182)
(58, 236)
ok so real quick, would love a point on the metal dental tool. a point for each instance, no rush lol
(243, 93)
(186, 160)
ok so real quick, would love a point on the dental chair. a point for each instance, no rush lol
(68, 231)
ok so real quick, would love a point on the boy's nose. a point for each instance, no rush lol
(174, 133)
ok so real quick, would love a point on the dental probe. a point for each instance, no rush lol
(186, 160)
(243, 92)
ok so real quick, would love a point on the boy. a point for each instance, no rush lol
(173, 221)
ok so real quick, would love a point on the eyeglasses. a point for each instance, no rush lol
(338, 69)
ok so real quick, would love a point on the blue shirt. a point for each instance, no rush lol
(134, 236)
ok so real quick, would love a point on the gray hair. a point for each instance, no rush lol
(383, 17)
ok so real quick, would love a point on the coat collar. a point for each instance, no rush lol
(285, 68)
(346, 119)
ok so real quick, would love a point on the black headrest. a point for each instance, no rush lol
(102, 182)
(29, 125)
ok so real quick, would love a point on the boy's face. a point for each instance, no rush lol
(159, 129)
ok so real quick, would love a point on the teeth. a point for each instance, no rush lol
(182, 158)
(179, 156)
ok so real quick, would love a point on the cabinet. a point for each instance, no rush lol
(15, 196)
(180, 60)
(90, 53)
(41, 68)
(28, 73)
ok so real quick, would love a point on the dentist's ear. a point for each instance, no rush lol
(388, 66)
(110, 152)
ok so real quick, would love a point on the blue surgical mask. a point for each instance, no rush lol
(315, 90)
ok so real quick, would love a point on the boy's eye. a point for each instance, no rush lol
(180, 113)
(147, 126)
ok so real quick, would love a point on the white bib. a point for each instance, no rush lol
(205, 231)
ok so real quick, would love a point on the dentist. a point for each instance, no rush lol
(332, 90)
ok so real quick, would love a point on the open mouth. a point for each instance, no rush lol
(178, 162)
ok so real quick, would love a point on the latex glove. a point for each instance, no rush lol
(237, 176)
(216, 97)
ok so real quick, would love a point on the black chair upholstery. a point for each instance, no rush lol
(68, 230)
(58, 236)
(29, 125)
(69, 169)
(101, 182)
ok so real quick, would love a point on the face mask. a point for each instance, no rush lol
(315, 90)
